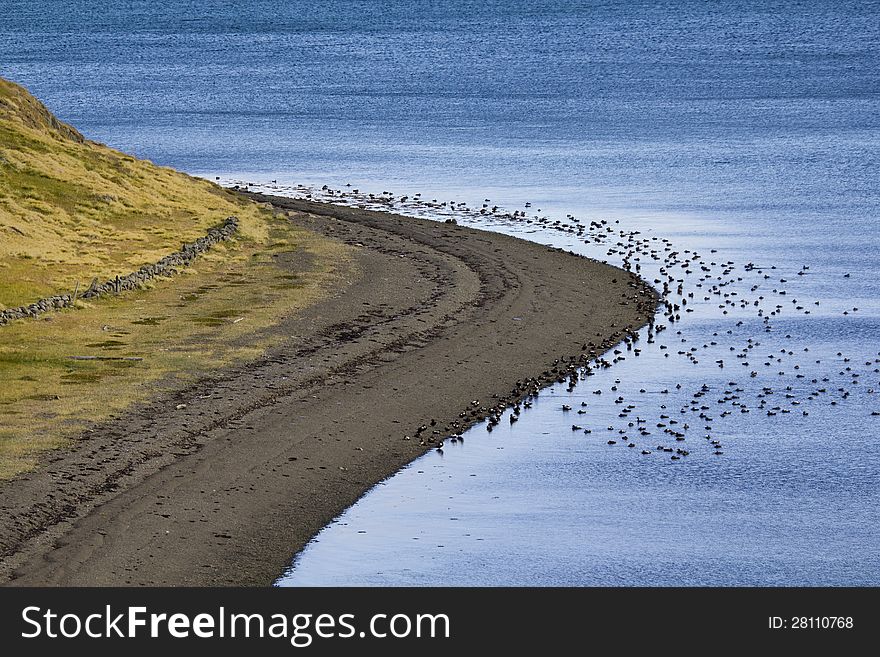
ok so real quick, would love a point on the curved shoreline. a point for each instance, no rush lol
(226, 490)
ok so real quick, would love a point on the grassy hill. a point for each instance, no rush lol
(72, 210)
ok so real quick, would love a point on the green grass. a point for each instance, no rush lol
(71, 210)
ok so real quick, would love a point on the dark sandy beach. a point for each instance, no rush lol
(223, 491)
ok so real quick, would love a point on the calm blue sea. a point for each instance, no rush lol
(748, 131)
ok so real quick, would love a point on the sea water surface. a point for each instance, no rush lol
(746, 134)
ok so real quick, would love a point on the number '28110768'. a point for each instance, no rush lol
(810, 623)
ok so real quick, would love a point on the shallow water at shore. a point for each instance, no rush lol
(751, 130)
(791, 500)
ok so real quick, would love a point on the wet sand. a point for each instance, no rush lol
(435, 326)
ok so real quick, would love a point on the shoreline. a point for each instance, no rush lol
(227, 490)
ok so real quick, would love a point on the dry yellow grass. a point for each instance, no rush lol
(71, 210)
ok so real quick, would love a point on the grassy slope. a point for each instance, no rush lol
(70, 210)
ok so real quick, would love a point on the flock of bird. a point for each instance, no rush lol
(758, 366)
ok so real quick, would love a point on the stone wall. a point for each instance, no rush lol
(167, 266)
